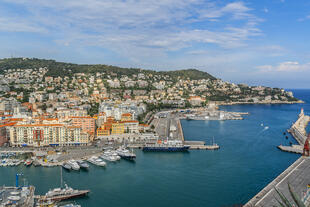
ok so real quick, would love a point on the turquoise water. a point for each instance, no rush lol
(247, 161)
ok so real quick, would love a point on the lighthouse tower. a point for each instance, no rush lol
(301, 112)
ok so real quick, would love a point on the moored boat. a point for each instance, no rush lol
(60, 194)
(66, 166)
(82, 164)
(167, 146)
(74, 165)
(126, 154)
(97, 161)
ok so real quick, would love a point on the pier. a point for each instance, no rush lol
(168, 124)
(298, 131)
(297, 175)
(200, 145)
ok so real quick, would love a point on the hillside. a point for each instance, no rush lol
(61, 68)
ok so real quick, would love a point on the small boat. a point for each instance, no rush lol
(82, 164)
(28, 162)
(74, 165)
(66, 166)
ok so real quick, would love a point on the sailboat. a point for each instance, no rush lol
(214, 145)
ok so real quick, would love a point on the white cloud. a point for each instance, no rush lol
(135, 28)
(304, 18)
(289, 66)
(19, 25)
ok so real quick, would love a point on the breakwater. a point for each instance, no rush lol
(298, 131)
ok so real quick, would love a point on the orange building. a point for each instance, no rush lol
(103, 131)
(126, 117)
(87, 123)
(4, 133)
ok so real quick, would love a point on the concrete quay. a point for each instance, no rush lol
(294, 148)
(298, 131)
(297, 175)
(200, 145)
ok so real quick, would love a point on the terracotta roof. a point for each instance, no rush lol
(127, 114)
(38, 125)
(8, 124)
(130, 121)
(145, 125)
(80, 117)
(15, 119)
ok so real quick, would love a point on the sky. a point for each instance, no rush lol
(258, 42)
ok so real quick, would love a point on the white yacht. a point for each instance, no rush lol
(110, 156)
(97, 161)
(74, 165)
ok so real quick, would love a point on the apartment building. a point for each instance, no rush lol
(87, 123)
(37, 135)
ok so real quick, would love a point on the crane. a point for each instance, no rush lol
(17, 177)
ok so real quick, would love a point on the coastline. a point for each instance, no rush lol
(253, 103)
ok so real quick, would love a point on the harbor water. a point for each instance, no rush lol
(247, 161)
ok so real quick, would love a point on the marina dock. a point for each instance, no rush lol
(200, 145)
(297, 175)
(168, 124)
(17, 196)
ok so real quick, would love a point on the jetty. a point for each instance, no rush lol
(298, 131)
(201, 145)
(168, 124)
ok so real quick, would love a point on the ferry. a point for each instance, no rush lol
(166, 146)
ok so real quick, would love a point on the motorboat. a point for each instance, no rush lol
(82, 164)
(74, 165)
(66, 166)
